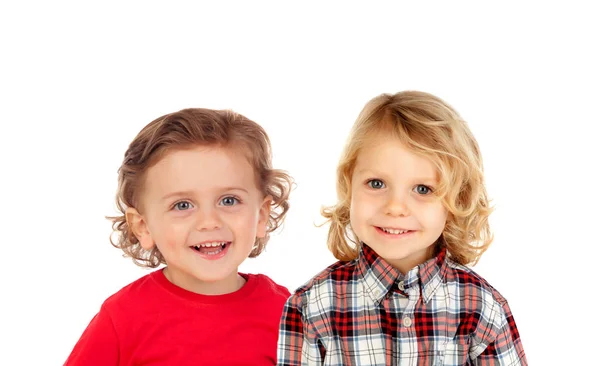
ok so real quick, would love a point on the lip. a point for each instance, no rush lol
(212, 257)
(407, 232)
(212, 241)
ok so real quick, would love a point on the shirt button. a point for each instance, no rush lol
(401, 285)
(407, 322)
(377, 292)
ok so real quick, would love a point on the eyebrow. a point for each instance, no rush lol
(177, 194)
(427, 179)
(191, 193)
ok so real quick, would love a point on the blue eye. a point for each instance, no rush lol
(422, 189)
(229, 201)
(182, 206)
(376, 184)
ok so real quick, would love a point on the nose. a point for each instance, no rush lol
(396, 204)
(208, 219)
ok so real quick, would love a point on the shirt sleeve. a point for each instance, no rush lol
(98, 345)
(296, 346)
(505, 347)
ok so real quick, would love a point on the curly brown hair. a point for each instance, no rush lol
(432, 128)
(185, 129)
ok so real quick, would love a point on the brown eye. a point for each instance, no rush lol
(376, 184)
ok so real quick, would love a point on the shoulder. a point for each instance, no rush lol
(472, 286)
(485, 312)
(327, 282)
(266, 285)
(132, 294)
(266, 297)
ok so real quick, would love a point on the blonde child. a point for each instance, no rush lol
(196, 192)
(412, 212)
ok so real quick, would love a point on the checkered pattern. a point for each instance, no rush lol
(365, 312)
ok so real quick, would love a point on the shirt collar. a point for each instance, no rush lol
(379, 277)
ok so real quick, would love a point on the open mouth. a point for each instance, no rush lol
(212, 248)
(393, 231)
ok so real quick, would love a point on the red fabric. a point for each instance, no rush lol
(153, 322)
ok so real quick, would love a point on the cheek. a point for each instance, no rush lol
(435, 217)
(171, 233)
(249, 221)
(368, 201)
(354, 209)
(243, 218)
(173, 237)
(361, 209)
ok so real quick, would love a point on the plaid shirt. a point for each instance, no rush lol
(365, 312)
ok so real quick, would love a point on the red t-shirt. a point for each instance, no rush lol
(153, 322)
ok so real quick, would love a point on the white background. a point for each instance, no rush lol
(77, 82)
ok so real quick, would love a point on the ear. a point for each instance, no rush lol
(139, 228)
(263, 217)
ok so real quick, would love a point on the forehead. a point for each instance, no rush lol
(388, 154)
(200, 168)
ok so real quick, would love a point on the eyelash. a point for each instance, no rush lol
(180, 202)
(428, 188)
(176, 204)
(236, 199)
(369, 181)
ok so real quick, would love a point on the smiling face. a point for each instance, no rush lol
(393, 208)
(202, 209)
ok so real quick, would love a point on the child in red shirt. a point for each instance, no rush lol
(197, 192)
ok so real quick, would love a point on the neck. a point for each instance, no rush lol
(223, 286)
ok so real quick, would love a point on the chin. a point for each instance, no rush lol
(213, 277)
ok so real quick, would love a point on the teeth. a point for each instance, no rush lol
(211, 245)
(215, 252)
(394, 231)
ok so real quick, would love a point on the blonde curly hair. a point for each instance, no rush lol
(432, 128)
(183, 129)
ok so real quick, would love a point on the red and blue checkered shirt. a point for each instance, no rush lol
(365, 312)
